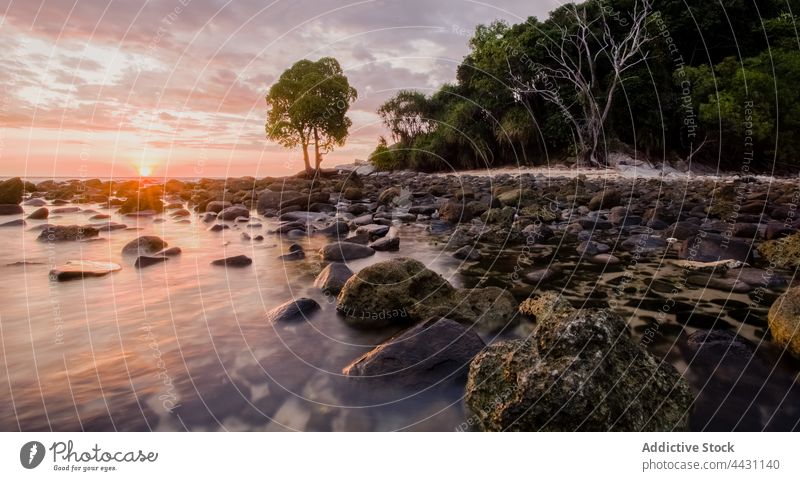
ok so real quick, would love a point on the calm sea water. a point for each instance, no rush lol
(185, 345)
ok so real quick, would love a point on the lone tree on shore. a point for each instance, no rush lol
(308, 105)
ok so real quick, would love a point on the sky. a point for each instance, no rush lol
(175, 88)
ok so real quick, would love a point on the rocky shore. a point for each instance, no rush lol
(588, 303)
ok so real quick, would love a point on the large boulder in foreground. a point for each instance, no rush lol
(402, 290)
(429, 353)
(578, 371)
(784, 320)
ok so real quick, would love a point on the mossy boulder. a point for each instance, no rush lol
(403, 290)
(502, 216)
(784, 252)
(579, 370)
(784, 320)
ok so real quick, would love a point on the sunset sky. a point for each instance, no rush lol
(176, 87)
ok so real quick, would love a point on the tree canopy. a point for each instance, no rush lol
(703, 79)
(308, 106)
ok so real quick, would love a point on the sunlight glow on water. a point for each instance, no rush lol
(120, 351)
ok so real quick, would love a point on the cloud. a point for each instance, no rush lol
(191, 74)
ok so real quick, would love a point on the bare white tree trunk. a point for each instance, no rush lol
(573, 57)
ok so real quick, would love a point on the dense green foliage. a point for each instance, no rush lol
(308, 105)
(716, 82)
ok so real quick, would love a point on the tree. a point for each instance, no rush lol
(407, 115)
(308, 105)
(584, 44)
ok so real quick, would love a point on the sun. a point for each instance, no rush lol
(145, 170)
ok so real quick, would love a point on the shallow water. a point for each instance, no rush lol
(120, 351)
(184, 345)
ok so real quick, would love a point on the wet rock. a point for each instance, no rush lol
(605, 199)
(422, 210)
(388, 243)
(145, 261)
(363, 220)
(10, 209)
(66, 210)
(14, 223)
(11, 191)
(545, 305)
(337, 229)
(353, 193)
(777, 230)
(622, 217)
(35, 202)
(388, 195)
(296, 253)
(489, 309)
(605, 259)
(333, 277)
(269, 200)
(682, 230)
(504, 216)
(40, 213)
(374, 231)
(234, 211)
(294, 310)
(233, 261)
(455, 212)
(727, 284)
(217, 206)
(170, 252)
(552, 381)
(80, 269)
(784, 252)
(439, 227)
(784, 320)
(402, 290)
(739, 386)
(712, 248)
(467, 253)
(345, 251)
(109, 226)
(538, 232)
(144, 245)
(209, 217)
(595, 224)
(592, 248)
(60, 233)
(425, 355)
(645, 243)
(758, 277)
(218, 227)
(181, 213)
(743, 229)
(539, 276)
